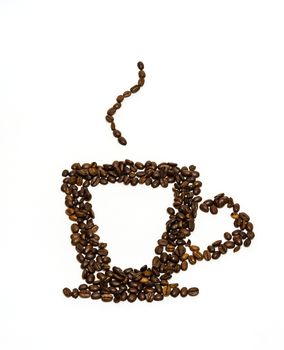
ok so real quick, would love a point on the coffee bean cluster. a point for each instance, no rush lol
(174, 251)
(120, 98)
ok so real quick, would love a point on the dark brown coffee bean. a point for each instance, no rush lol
(140, 65)
(222, 249)
(193, 291)
(207, 255)
(194, 248)
(84, 293)
(216, 255)
(135, 88)
(244, 216)
(67, 292)
(111, 111)
(132, 297)
(184, 265)
(75, 293)
(109, 118)
(141, 74)
(236, 249)
(227, 236)
(141, 296)
(229, 244)
(198, 256)
(122, 140)
(126, 94)
(217, 243)
(204, 207)
(175, 292)
(106, 297)
(237, 240)
(74, 228)
(96, 295)
(119, 98)
(213, 209)
(158, 297)
(150, 297)
(192, 260)
(116, 133)
(236, 208)
(247, 242)
(183, 292)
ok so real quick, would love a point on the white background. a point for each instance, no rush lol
(213, 97)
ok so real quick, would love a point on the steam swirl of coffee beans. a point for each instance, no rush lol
(110, 113)
(174, 251)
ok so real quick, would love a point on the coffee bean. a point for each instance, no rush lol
(116, 133)
(135, 88)
(204, 207)
(227, 236)
(158, 297)
(217, 243)
(175, 292)
(84, 293)
(193, 291)
(183, 292)
(216, 255)
(192, 260)
(247, 242)
(207, 255)
(67, 292)
(213, 209)
(229, 244)
(198, 255)
(107, 297)
(122, 140)
(140, 65)
(132, 297)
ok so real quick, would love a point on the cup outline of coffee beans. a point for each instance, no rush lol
(174, 251)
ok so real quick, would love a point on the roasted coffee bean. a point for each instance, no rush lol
(132, 297)
(222, 249)
(216, 255)
(106, 297)
(227, 236)
(116, 133)
(75, 293)
(122, 140)
(184, 265)
(198, 255)
(84, 293)
(140, 65)
(206, 255)
(175, 292)
(96, 295)
(167, 290)
(247, 242)
(192, 260)
(229, 244)
(67, 292)
(158, 297)
(204, 207)
(193, 291)
(236, 208)
(183, 292)
(213, 209)
(217, 243)
(150, 297)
